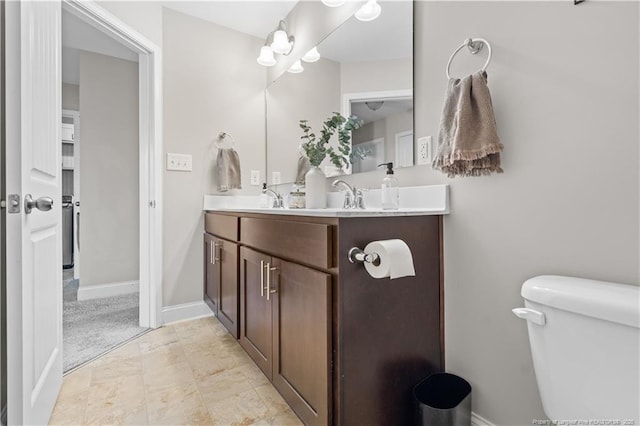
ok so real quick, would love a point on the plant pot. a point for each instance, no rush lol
(315, 189)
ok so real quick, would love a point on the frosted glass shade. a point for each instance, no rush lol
(312, 55)
(266, 57)
(280, 42)
(296, 68)
(369, 11)
(333, 3)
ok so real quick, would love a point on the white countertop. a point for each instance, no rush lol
(414, 201)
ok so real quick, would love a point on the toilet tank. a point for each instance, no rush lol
(585, 345)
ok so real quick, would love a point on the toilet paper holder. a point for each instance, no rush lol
(358, 255)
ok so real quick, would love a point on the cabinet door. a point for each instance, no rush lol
(302, 340)
(226, 254)
(211, 274)
(256, 333)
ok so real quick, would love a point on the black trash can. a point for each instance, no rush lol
(443, 399)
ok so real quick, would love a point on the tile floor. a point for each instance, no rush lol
(191, 372)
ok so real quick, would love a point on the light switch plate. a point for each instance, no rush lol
(255, 177)
(179, 162)
(276, 178)
(424, 150)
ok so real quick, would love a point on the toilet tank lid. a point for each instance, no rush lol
(619, 303)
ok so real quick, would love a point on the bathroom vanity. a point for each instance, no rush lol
(340, 346)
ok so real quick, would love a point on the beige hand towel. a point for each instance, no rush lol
(228, 174)
(468, 142)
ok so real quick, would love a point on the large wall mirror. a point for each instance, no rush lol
(366, 70)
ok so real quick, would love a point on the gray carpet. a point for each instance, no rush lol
(93, 327)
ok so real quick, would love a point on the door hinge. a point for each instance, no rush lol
(13, 204)
(152, 204)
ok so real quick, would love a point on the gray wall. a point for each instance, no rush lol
(109, 225)
(71, 96)
(564, 82)
(212, 84)
(565, 90)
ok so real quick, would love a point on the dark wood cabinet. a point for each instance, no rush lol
(286, 329)
(341, 347)
(302, 340)
(256, 330)
(211, 274)
(221, 271)
(227, 262)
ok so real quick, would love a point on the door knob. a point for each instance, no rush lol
(43, 203)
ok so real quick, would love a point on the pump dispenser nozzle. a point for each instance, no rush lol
(389, 167)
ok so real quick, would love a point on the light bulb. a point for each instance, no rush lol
(333, 3)
(312, 55)
(280, 42)
(296, 68)
(266, 57)
(369, 11)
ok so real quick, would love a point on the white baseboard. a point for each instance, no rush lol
(476, 420)
(185, 311)
(107, 290)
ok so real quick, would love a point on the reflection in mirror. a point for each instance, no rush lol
(361, 63)
(386, 133)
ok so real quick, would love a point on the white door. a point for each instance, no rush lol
(34, 246)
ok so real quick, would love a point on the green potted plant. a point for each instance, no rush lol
(316, 149)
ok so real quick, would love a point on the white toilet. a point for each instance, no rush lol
(585, 344)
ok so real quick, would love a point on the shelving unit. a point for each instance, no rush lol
(70, 146)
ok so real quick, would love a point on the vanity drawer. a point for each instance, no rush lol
(221, 225)
(309, 243)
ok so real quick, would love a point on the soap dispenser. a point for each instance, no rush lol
(390, 191)
(264, 197)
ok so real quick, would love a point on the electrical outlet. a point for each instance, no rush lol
(255, 177)
(424, 150)
(179, 162)
(276, 178)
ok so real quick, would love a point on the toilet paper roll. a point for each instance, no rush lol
(396, 260)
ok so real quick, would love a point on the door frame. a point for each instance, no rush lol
(150, 119)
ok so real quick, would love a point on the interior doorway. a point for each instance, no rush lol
(110, 166)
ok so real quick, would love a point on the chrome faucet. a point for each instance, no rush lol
(278, 203)
(353, 197)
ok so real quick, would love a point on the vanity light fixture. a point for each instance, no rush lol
(374, 105)
(266, 57)
(282, 42)
(296, 68)
(311, 56)
(333, 3)
(278, 41)
(369, 11)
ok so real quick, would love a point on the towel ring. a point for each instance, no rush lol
(475, 45)
(221, 140)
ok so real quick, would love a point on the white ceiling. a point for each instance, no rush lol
(390, 36)
(388, 108)
(77, 36)
(256, 18)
